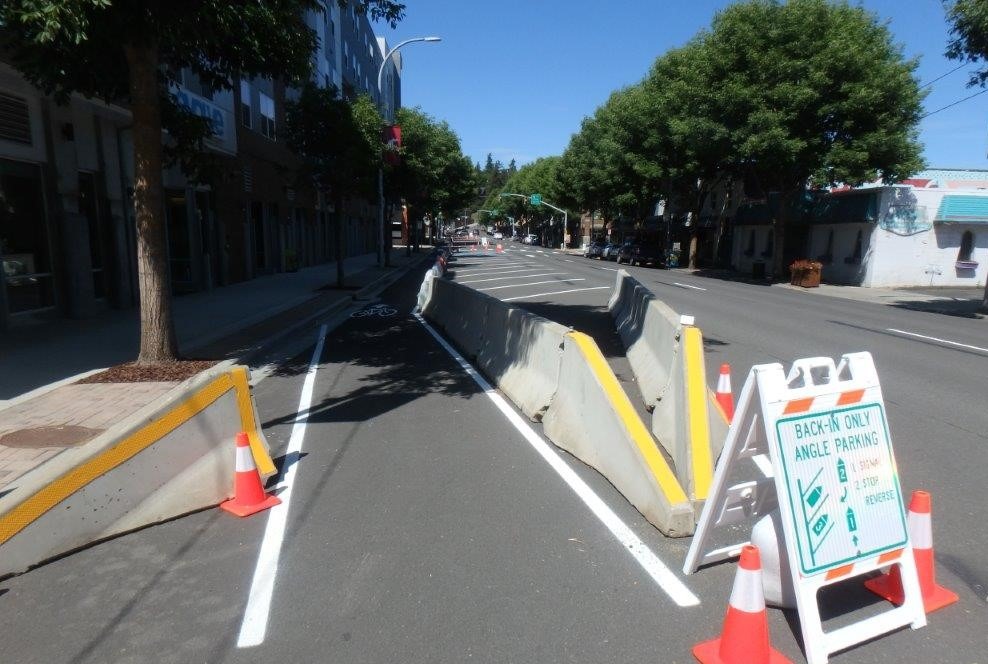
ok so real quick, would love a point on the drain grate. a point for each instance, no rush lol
(51, 436)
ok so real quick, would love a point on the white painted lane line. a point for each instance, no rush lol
(486, 272)
(529, 255)
(938, 340)
(539, 251)
(568, 260)
(534, 283)
(516, 276)
(651, 563)
(255, 623)
(609, 269)
(558, 292)
(676, 283)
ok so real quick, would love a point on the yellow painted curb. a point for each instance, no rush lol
(696, 407)
(61, 488)
(661, 471)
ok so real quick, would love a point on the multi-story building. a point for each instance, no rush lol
(67, 235)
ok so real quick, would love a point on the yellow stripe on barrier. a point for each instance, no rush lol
(696, 405)
(262, 459)
(61, 488)
(661, 471)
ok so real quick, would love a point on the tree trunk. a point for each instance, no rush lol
(158, 341)
(338, 231)
(779, 239)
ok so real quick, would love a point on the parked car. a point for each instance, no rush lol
(610, 252)
(498, 236)
(643, 253)
(531, 238)
(594, 249)
(624, 252)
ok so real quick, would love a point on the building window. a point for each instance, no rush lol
(24, 256)
(769, 244)
(245, 109)
(750, 251)
(266, 113)
(967, 246)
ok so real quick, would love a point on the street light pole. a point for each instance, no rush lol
(382, 258)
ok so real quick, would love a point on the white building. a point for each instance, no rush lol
(931, 230)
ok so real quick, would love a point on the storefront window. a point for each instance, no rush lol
(24, 239)
(179, 245)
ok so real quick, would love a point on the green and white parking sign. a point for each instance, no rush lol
(841, 485)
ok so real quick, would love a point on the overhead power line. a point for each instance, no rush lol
(944, 108)
(926, 85)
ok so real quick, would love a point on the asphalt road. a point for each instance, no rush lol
(932, 367)
(421, 525)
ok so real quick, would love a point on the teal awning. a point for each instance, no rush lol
(959, 209)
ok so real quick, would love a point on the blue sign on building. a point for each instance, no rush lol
(203, 108)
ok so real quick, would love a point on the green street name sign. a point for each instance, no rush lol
(535, 199)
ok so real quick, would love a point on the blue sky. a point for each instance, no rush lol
(516, 77)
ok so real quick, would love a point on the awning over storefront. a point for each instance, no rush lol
(958, 209)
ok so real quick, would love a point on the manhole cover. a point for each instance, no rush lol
(54, 436)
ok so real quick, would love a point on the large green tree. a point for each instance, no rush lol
(339, 142)
(812, 92)
(433, 176)
(125, 51)
(969, 43)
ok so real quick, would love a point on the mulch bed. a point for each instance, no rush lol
(152, 373)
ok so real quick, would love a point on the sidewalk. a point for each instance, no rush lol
(49, 412)
(38, 355)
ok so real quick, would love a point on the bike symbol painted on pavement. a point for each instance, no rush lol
(379, 310)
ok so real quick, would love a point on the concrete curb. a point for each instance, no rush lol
(172, 457)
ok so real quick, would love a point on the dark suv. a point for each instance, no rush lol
(641, 253)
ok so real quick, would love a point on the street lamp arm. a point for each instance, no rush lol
(387, 58)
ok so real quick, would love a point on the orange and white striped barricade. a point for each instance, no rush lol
(813, 452)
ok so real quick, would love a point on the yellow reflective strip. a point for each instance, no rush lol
(61, 488)
(696, 405)
(663, 475)
(265, 465)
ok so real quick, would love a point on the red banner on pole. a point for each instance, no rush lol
(392, 144)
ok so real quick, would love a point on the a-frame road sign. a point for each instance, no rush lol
(815, 445)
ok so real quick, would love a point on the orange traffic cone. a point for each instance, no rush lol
(249, 496)
(498, 249)
(744, 639)
(889, 585)
(724, 396)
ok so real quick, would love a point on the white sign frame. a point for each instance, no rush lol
(814, 386)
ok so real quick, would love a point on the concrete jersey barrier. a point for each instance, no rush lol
(667, 359)
(519, 351)
(561, 377)
(592, 418)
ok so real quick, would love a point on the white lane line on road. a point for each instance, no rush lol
(568, 260)
(651, 563)
(486, 272)
(534, 283)
(255, 623)
(558, 292)
(938, 340)
(676, 283)
(516, 276)
(529, 255)
(609, 269)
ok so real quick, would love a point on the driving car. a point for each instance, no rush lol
(594, 249)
